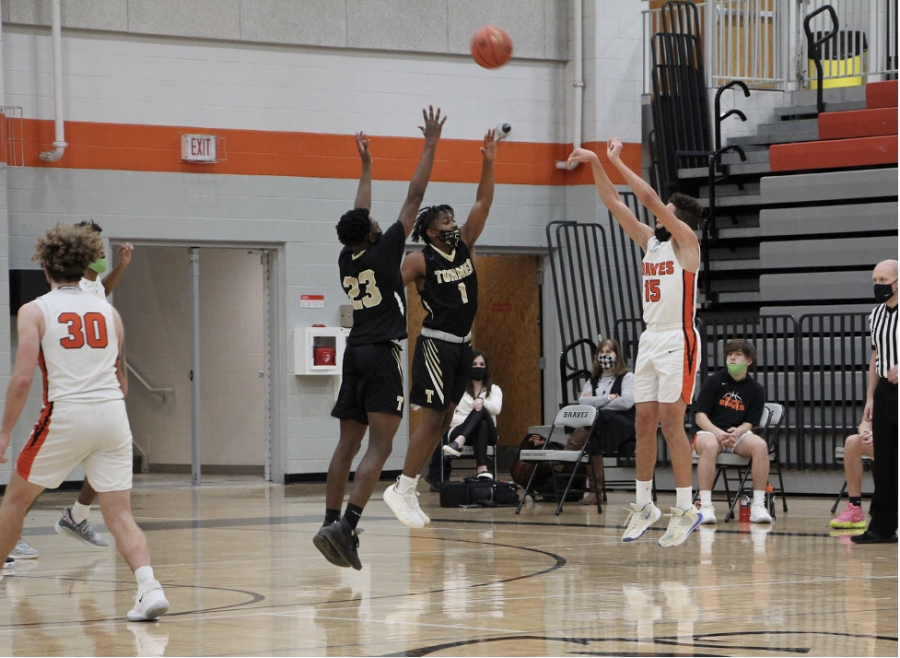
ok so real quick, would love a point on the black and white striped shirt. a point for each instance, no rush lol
(883, 329)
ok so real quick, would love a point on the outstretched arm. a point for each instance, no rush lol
(364, 191)
(636, 230)
(432, 131)
(110, 280)
(484, 196)
(682, 235)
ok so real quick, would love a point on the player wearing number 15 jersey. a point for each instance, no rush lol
(668, 352)
(371, 396)
(444, 274)
(77, 341)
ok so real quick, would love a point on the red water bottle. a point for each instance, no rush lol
(744, 516)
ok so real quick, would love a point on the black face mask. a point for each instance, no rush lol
(450, 237)
(662, 233)
(883, 291)
(478, 373)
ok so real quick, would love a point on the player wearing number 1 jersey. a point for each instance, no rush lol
(371, 395)
(77, 341)
(444, 273)
(669, 349)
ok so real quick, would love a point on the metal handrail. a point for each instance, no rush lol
(721, 117)
(813, 46)
(162, 392)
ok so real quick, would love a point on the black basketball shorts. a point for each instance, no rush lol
(372, 382)
(440, 372)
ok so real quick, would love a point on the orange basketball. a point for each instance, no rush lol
(491, 47)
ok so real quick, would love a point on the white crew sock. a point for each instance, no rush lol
(80, 512)
(143, 575)
(406, 484)
(683, 497)
(759, 497)
(706, 497)
(644, 490)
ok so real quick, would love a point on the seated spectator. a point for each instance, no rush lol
(474, 422)
(855, 446)
(611, 390)
(729, 405)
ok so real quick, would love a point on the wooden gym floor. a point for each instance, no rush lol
(244, 579)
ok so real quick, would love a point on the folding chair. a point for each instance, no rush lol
(573, 416)
(769, 424)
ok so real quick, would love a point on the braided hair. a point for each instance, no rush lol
(427, 215)
(354, 226)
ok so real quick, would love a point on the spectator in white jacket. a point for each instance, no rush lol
(475, 418)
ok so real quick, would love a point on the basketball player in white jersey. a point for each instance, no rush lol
(77, 341)
(668, 352)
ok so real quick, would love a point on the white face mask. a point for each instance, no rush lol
(606, 361)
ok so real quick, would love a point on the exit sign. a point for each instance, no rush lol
(198, 148)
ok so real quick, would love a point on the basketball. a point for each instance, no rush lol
(491, 47)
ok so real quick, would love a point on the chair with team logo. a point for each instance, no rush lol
(572, 416)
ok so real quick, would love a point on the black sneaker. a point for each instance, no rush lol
(9, 562)
(326, 549)
(452, 449)
(344, 541)
(869, 537)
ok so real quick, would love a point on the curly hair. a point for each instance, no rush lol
(354, 226)
(91, 224)
(427, 215)
(66, 250)
(687, 209)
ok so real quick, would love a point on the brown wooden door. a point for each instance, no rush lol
(507, 329)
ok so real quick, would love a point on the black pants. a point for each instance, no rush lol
(480, 432)
(610, 432)
(884, 469)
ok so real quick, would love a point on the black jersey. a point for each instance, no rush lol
(728, 403)
(450, 295)
(374, 285)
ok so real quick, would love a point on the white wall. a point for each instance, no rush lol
(155, 80)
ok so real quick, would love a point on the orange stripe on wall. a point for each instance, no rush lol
(136, 147)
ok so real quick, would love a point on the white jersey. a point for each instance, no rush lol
(94, 287)
(79, 347)
(670, 291)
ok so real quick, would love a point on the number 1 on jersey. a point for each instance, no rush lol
(462, 293)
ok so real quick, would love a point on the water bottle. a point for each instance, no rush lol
(770, 500)
(744, 516)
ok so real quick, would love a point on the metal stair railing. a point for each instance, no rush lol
(814, 47)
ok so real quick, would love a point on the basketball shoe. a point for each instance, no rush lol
(150, 603)
(640, 519)
(680, 526)
(83, 532)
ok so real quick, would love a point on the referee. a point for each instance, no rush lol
(881, 407)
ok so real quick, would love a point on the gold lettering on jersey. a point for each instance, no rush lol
(399, 403)
(455, 273)
(428, 395)
(659, 269)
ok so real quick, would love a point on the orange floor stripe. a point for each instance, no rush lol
(131, 147)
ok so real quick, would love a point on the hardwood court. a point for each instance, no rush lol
(244, 579)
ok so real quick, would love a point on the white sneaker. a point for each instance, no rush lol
(640, 519)
(23, 551)
(708, 512)
(759, 514)
(680, 526)
(149, 604)
(405, 506)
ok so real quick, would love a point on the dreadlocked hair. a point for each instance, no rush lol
(687, 209)
(354, 226)
(427, 215)
(91, 224)
(67, 250)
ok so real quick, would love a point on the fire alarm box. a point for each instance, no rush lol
(319, 350)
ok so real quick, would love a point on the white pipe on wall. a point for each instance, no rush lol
(59, 143)
(578, 59)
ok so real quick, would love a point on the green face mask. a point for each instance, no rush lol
(736, 369)
(99, 265)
